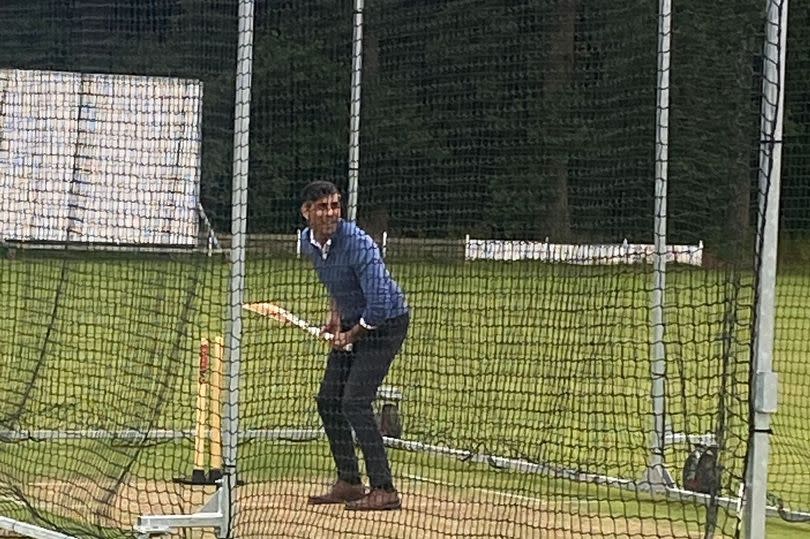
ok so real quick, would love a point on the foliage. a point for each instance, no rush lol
(521, 119)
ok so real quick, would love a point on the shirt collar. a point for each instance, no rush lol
(324, 249)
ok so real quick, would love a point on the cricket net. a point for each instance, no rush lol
(109, 280)
(566, 190)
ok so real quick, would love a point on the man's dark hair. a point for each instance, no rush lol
(317, 190)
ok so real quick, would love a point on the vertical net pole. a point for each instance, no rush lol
(354, 129)
(763, 390)
(241, 135)
(657, 473)
(789, 469)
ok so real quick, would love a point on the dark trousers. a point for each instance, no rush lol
(344, 401)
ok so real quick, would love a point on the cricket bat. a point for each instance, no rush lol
(280, 314)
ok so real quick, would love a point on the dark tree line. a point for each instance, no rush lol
(513, 119)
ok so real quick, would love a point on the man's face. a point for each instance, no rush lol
(323, 215)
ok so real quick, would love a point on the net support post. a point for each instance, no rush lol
(24, 529)
(212, 242)
(657, 477)
(354, 120)
(218, 511)
(764, 381)
(239, 201)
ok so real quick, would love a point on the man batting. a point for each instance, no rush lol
(368, 311)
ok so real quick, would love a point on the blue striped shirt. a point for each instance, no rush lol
(353, 271)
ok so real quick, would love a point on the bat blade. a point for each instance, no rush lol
(280, 314)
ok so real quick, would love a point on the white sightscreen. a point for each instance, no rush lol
(99, 158)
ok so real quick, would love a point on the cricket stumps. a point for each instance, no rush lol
(207, 467)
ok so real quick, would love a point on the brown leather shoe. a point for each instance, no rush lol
(376, 500)
(341, 492)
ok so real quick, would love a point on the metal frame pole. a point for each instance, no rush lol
(764, 381)
(354, 123)
(239, 201)
(657, 475)
(217, 512)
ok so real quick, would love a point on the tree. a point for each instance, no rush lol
(714, 123)
(557, 89)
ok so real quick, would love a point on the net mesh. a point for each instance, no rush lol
(507, 174)
(108, 109)
(791, 442)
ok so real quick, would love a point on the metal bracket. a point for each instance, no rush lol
(766, 386)
(210, 515)
(656, 479)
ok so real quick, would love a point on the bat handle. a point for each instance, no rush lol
(316, 332)
(330, 337)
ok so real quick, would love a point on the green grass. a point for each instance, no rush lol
(546, 363)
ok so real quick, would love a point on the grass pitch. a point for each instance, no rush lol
(543, 363)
